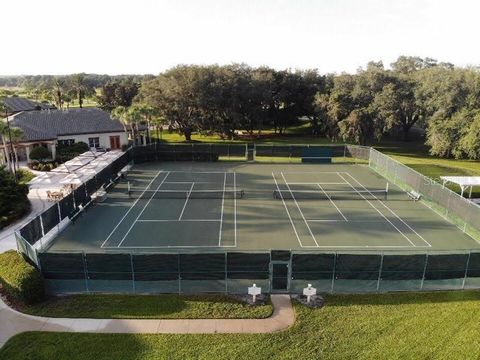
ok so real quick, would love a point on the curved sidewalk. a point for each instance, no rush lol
(13, 322)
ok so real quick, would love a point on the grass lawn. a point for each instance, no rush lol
(148, 307)
(441, 325)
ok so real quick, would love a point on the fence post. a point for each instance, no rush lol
(466, 270)
(226, 275)
(380, 272)
(43, 230)
(424, 270)
(85, 271)
(179, 275)
(333, 272)
(133, 273)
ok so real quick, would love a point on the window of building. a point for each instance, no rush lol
(66, 142)
(94, 142)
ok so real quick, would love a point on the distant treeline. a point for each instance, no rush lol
(440, 99)
(39, 81)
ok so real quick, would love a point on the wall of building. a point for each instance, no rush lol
(104, 139)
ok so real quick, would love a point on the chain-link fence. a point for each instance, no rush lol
(44, 227)
(155, 273)
(233, 272)
(457, 209)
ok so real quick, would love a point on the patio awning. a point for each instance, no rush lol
(465, 182)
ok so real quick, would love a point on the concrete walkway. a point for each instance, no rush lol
(13, 322)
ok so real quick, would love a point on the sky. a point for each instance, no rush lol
(150, 36)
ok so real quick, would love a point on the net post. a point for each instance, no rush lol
(386, 196)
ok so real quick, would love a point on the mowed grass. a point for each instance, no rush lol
(441, 325)
(149, 307)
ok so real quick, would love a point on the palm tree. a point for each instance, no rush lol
(80, 87)
(17, 135)
(147, 113)
(128, 116)
(3, 135)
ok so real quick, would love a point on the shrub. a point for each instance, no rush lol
(24, 176)
(14, 202)
(43, 166)
(20, 281)
(40, 153)
(68, 152)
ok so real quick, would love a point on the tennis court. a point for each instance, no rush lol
(210, 206)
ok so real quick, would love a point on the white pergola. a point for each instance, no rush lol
(73, 172)
(466, 183)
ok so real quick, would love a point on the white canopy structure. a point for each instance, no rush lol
(73, 172)
(465, 182)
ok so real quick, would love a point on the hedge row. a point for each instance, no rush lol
(19, 280)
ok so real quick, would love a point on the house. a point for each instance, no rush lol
(50, 128)
(15, 105)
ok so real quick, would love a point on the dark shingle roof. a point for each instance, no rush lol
(17, 104)
(49, 124)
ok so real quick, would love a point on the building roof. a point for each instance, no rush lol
(48, 125)
(17, 104)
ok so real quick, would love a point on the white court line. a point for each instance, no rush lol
(373, 206)
(288, 212)
(333, 203)
(189, 182)
(394, 213)
(196, 172)
(170, 246)
(141, 212)
(131, 207)
(343, 221)
(300, 210)
(221, 214)
(173, 220)
(316, 183)
(235, 206)
(310, 172)
(186, 201)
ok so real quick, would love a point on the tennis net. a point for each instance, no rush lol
(330, 195)
(184, 194)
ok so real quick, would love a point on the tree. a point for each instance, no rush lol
(14, 202)
(146, 113)
(40, 153)
(469, 143)
(398, 105)
(121, 113)
(80, 88)
(174, 96)
(17, 135)
(117, 93)
(6, 149)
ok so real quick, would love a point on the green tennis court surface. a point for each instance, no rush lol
(185, 206)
